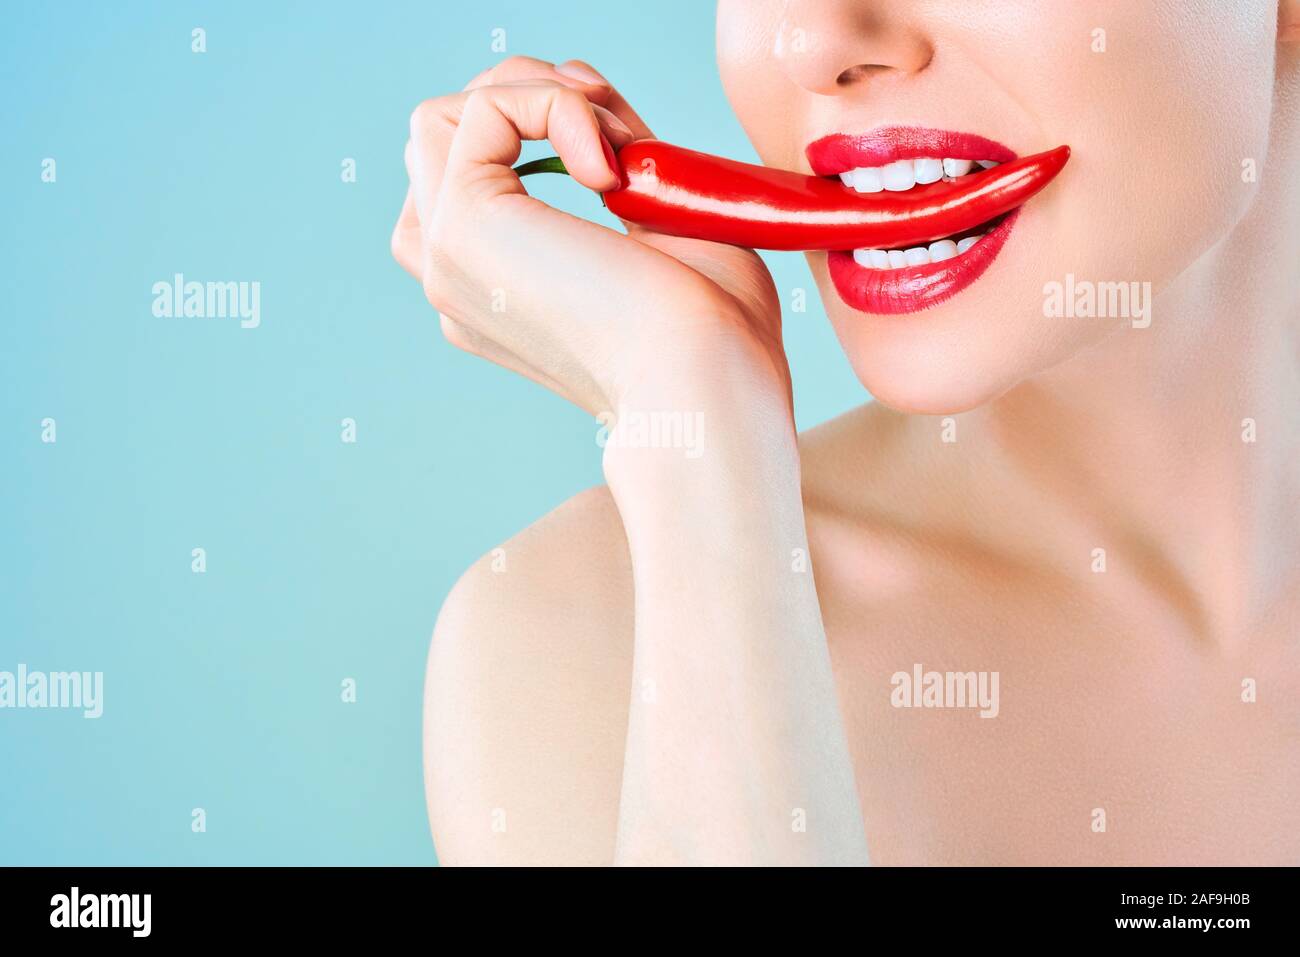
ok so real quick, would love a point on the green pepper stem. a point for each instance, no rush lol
(551, 164)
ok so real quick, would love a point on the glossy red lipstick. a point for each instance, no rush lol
(833, 154)
(892, 292)
(900, 281)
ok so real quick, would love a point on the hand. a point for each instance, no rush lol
(601, 318)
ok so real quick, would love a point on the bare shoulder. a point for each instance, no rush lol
(529, 674)
(526, 694)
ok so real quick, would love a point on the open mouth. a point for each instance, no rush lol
(899, 160)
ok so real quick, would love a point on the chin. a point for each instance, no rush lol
(956, 370)
(919, 393)
(962, 353)
(945, 360)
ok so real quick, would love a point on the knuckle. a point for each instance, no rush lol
(477, 101)
(434, 292)
(572, 102)
(454, 333)
(519, 64)
(568, 94)
(434, 287)
(426, 116)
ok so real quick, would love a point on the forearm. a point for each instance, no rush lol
(736, 752)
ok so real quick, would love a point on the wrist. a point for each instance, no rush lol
(695, 436)
(734, 477)
(719, 391)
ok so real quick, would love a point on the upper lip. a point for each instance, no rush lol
(839, 152)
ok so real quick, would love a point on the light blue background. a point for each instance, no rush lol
(325, 560)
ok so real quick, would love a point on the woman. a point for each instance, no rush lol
(1090, 510)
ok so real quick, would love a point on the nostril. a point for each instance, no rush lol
(862, 72)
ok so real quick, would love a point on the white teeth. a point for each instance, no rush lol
(867, 180)
(937, 252)
(927, 170)
(953, 168)
(943, 249)
(899, 177)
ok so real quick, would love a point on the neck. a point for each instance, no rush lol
(1179, 444)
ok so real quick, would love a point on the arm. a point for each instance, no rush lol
(742, 735)
(526, 695)
(735, 751)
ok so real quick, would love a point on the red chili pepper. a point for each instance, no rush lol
(686, 193)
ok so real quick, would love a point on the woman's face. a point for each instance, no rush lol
(1163, 103)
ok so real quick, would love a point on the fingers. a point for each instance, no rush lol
(435, 122)
(433, 126)
(619, 121)
(571, 72)
(408, 251)
(518, 69)
(522, 70)
(497, 119)
(439, 119)
(485, 129)
(406, 244)
(614, 101)
(459, 158)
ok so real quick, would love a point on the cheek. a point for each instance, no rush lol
(972, 349)
(1161, 117)
(760, 94)
(1163, 103)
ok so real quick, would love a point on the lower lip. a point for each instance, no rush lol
(894, 292)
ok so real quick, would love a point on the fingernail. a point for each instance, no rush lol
(614, 166)
(612, 121)
(583, 73)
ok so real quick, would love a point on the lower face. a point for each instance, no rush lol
(1154, 182)
(943, 362)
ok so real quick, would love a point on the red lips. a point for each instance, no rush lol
(891, 292)
(910, 288)
(833, 154)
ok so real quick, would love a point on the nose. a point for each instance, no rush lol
(829, 47)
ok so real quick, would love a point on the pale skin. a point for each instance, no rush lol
(657, 679)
